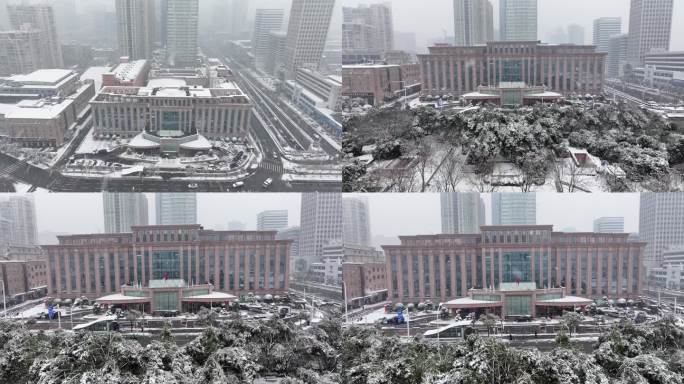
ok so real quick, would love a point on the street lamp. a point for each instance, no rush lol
(346, 315)
(4, 299)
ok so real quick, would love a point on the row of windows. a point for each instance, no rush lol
(544, 268)
(196, 268)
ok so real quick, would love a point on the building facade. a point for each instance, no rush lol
(473, 22)
(363, 273)
(276, 54)
(379, 84)
(609, 225)
(20, 51)
(367, 32)
(94, 265)
(265, 22)
(575, 34)
(321, 224)
(444, 267)
(661, 224)
(604, 29)
(514, 208)
(566, 69)
(327, 89)
(176, 208)
(670, 274)
(650, 27)
(663, 70)
(122, 211)
(355, 221)
(291, 233)
(19, 212)
(461, 212)
(127, 74)
(273, 220)
(617, 55)
(237, 18)
(136, 24)
(172, 106)
(23, 279)
(40, 17)
(306, 34)
(182, 41)
(518, 20)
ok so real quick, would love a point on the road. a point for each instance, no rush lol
(296, 131)
(56, 182)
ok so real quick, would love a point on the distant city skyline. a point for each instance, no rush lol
(399, 214)
(437, 20)
(81, 213)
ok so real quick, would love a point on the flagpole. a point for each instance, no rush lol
(408, 323)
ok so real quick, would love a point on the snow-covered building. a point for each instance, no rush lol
(127, 74)
(564, 69)
(512, 93)
(42, 108)
(167, 296)
(517, 299)
(170, 108)
(445, 267)
(236, 262)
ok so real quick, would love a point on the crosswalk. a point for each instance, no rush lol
(9, 170)
(272, 167)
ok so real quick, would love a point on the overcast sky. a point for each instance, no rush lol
(394, 214)
(82, 212)
(432, 19)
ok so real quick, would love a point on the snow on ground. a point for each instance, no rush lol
(33, 311)
(373, 317)
(21, 187)
(90, 145)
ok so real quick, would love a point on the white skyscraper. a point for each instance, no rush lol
(291, 233)
(135, 28)
(604, 29)
(40, 17)
(575, 34)
(661, 224)
(462, 212)
(356, 221)
(236, 225)
(19, 213)
(650, 26)
(265, 22)
(518, 20)
(609, 225)
(306, 34)
(181, 20)
(21, 51)
(273, 220)
(124, 210)
(514, 208)
(237, 18)
(617, 55)
(176, 208)
(321, 223)
(375, 24)
(473, 22)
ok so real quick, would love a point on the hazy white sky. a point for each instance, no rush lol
(431, 19)
(82, 212)
(394, 214)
